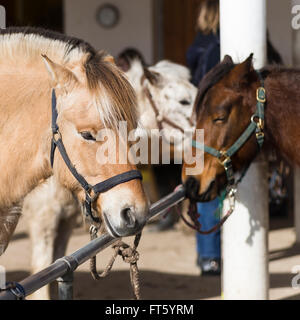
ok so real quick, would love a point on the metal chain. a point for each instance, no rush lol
(128, 254)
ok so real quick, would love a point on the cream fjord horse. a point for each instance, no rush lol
(91, 94)
(52, 211)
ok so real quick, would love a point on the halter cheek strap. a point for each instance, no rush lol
(98, 188)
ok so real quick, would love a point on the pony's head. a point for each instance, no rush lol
(92, 98)
(171, 92)
(225, 103)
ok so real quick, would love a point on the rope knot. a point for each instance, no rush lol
(130, 255)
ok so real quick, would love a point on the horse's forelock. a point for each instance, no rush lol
(212, 78)
(106, 81)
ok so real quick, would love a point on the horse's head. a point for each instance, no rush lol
(170, 90)
(92, 97)
(225, 103)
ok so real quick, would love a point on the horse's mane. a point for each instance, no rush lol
(211, 78)
(71, 42)
(29, 43)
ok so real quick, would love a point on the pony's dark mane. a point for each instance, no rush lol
(220, 70)
(211, 78)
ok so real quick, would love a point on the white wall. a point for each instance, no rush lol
(279, 26)
(135, 28)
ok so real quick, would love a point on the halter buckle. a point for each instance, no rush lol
(261, 95)
(224, 159)
(89, 196)
(259, 135)
(56, 136)
(259, 123)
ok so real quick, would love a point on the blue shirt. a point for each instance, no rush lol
(203, 55)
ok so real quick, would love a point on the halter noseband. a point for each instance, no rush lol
(97, 188)
(256, 125)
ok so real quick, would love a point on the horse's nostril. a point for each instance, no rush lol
(192, 186)
(127, 215)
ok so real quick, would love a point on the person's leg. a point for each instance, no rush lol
(208, 246)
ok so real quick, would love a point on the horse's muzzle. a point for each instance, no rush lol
(129, 223)
(192, 187)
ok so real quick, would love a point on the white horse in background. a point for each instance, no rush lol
(52, 211)
(168, 83)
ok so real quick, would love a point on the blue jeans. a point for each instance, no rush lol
(208, 246)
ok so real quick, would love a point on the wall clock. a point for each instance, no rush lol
(108, 16)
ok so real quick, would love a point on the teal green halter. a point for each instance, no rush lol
(256, 126)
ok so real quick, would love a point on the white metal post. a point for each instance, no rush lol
(244, 235)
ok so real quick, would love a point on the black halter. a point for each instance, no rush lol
(97, 188)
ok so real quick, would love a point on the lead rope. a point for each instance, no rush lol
(194, 215)
(128, 254)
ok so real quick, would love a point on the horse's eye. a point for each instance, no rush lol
(87, 135)
(219, 120)
(184, 102)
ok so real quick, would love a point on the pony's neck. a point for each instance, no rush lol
(135, 76)
(282, 113)
(25, 133)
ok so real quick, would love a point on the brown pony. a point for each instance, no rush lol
(225, 104)
(92, 95)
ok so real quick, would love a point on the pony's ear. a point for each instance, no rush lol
(151, 76)
(227, 59)
(106, 57)
(240, 74)
(110, 59)
(61, 77)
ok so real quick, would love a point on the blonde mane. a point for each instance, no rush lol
(113, 95)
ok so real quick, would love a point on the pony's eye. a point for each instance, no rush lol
(87, 135)
(219, 120)
(184, 102)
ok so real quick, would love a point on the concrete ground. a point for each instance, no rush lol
(167, 266)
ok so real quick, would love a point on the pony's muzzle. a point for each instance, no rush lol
(192, 186)
(128, 223)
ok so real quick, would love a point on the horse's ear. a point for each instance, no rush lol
(227, 59)
(61, 77)
(240, 74)
(151, 76)
(110, 59)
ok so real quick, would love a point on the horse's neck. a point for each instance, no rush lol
(283, 113)
(24, 132)
(145, 111)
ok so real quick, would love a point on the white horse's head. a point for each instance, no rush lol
(165, 95)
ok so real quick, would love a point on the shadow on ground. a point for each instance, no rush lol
(154, 286)
(284, 253)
